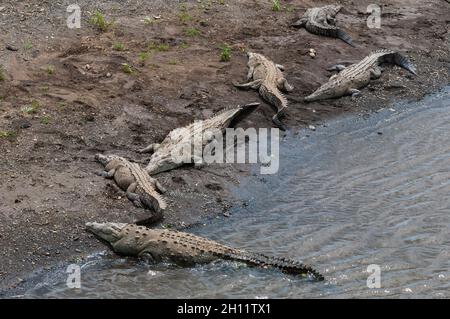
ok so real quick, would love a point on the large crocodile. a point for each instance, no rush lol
(267, 77)
(358, 75)
(157, 245)
(197, 133)
(140, 188)
(322, 21)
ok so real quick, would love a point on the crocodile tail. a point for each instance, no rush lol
(398, 59)
(345, 37)
(285, 265)
(232, 113)
(277, 99)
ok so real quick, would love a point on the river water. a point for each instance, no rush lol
(359, 192)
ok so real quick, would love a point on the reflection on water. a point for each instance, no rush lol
(358, 192)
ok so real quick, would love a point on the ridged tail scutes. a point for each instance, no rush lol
(276, 99)
(398, 59)
(287, 266)
(345, 37)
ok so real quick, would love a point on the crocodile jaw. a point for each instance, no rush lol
(110, 232)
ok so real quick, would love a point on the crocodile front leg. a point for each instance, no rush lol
(150, 149)
(250, 85)
(336, 67)
(300, 23)
(354, 93)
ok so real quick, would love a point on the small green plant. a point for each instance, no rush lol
(148, 20)
(98, 20)
(225, 53)
(222, 2)
(143, 56)
(173, 62)
(289, 9)
(152, 46)
(50, 69)
(2, 74)
(184, 45)
(184, 17)
(28, 45)
(6, 134)
(192, 32)
(45, 119)
(118, 46)
(126, 68)
(32, 108)
(276, 6)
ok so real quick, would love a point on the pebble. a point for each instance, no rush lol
(312, 127)
(11, 48)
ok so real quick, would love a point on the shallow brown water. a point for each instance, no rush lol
(354, 193)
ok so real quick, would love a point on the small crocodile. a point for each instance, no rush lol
(358, 75)
(267, 77)
(196, 133)
(322, 21)
(157, 245)
(140, 188)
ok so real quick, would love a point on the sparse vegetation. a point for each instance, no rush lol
(173, 62)
(45, 119)
(126, 68)
(28, 45)
(98, 21)
(192, 32)
(6, 134)
(143, 56)
(184, 17)
(149, 20)
(50, 69)
(118, 46)
(276, 6)
(152, 46)
(2, 74)
(225, 53)
(32, 108)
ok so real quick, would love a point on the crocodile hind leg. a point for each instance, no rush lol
(250, 85)
(375, 73)
(106, 174)
(133, 197)
(284, 85)
(158, 185)
(150, 149)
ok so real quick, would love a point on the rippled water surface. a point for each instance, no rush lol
(354, 193)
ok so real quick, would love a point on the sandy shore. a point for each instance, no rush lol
(65, 96)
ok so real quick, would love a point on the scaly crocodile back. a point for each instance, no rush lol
(323, 28)
(189, 247)
(142, 179)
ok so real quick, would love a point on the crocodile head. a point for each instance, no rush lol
(106, 159)
(332, 89)
(110, 232)
(254, 58)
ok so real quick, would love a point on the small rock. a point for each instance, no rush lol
(11, 48)
(227, 214)
(312, 127)
(108, 75)
(380, 133)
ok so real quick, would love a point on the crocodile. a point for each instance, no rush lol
(140, 188)
(267, 77)
(356, 76)
(156, 245)
(197, 133)
(322, 21)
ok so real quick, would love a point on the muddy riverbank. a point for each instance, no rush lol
(66, 96)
